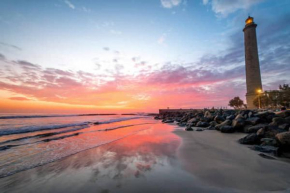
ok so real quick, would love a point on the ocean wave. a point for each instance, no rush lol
(5, 169)
(6, 147)
(29, 129)
(48, 116)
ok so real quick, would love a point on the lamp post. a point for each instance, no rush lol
(259, 100)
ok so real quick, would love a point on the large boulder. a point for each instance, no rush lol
(239, 116)
(219, 119)
(287, 120)
(254, 129)
(230, 117)
(227, 129)
(193, 120)
(265, 116)
(202, 124)
(269, 141)
(277, 121)
(284, 138)
(284, 126)
(226, 122)
(284, 114)
(250, 139)
(269, 131)
(208, 115)
(238, 123)
(252, 120)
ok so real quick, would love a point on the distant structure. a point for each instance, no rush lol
(253, 74)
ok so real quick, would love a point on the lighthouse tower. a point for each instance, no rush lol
(253, 75)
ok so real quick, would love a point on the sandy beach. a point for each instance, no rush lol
(158, 158)
(218, 160)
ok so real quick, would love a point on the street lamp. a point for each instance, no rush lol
(259, 91)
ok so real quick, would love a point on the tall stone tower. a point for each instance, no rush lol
(253, 75)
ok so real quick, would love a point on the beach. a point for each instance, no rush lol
(156, 157)
(219, 160)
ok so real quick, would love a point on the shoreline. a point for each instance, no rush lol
(158, 158)
(219, 161)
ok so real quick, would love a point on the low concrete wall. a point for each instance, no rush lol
(162, 111)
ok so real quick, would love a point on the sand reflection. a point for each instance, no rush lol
(106, 167)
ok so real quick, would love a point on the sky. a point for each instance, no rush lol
(112, 56)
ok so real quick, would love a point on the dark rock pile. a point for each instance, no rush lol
(267, 131)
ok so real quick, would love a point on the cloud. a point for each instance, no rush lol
(87, 10)
(19, 98)
(170, 3)
(2, 57)
(106, 48)
(115, 32)
(69, 4)
(210, 81)
(10, 46)
(225, 7)
(205, 2)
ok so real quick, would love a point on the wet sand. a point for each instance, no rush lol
(162, 158)
(218, 160)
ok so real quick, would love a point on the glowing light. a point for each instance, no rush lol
(249, 20)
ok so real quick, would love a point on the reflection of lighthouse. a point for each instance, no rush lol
(253, 75)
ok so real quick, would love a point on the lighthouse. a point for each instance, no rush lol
(253, 74)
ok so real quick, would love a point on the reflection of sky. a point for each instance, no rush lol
(127, 54)
(140, 163)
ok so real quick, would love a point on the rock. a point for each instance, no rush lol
(188, 129)
(266, 156)
(287, 120)
(227, 129)
(250, 114)
(277, 121)
(193, 120)
(213, 123)
(267, 149)
(252, 120)
(284, 126)
(199, 129)
(269, 141)
(202, 124)
(226, 122)
(284, 138)
(271, 131)
(219, 119)
(211, 127)
(168, 121)
(254, 129)
(239, 116)
(261, 132)
(230, 117)
(208, 115)
(182, 124)
(283, 114)
(238, 123)
(265, 116)
(250, 139)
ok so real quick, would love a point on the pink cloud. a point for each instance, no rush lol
(19, 98)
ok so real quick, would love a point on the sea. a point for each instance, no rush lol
(31, 140)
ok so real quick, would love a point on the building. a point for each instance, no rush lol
(253, 74)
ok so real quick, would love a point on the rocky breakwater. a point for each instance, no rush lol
(267, 132)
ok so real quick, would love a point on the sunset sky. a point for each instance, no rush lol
(102, 56)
